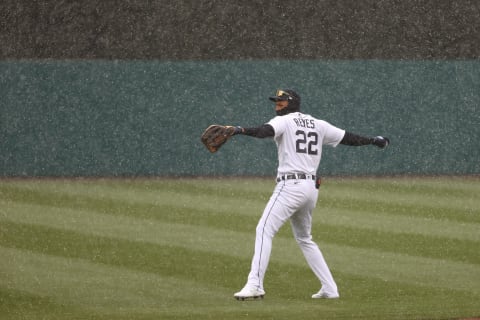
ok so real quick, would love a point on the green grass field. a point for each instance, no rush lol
(399, 248)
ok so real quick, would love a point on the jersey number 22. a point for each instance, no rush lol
(306, 142)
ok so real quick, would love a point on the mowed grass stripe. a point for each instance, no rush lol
(103, 291)
(373, 203)
(357, 236)
(240, 196)
(437, 205)
(248, 189)
(453, 193)
(20, 305)
(440, 198)
(130, 228)
(434, 198)
(222, 272)
(175, 213)
(402, 234)
(401, 224)
(204, 268)
(194, 273)
(181, 213)
(457, 186)
(168, 260)
(461, 186)
(360, 214)
(229, 220)
(366, 262)
(404, 243)
(205, 201)
(99, 287)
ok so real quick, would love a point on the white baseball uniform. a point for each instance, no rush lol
(299, 138)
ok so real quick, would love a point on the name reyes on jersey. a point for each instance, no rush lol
(305, 123)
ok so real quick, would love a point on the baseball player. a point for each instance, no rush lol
(299, 138)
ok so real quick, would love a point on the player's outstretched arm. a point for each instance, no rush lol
(351, 139)
(263, 131)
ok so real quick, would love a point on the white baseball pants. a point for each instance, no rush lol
(292, 199)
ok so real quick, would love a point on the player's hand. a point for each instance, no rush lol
(381, 142)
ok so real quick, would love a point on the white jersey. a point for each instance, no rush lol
(299, 138)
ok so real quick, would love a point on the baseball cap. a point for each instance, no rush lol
(286, 95)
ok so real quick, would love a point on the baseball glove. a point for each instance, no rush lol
(216, 135)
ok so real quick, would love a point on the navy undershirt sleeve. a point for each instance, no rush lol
(263, 131)
(351, 139)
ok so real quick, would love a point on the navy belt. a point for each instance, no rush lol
(295, 176)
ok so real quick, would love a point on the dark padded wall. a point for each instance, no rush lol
(249, 29)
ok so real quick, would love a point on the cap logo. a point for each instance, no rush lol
(281, 93)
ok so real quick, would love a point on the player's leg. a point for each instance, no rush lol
(301, 223)
(275, 214)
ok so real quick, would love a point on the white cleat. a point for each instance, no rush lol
(249, 293)
(325, 295)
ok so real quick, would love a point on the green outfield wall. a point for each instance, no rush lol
(144, 118)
